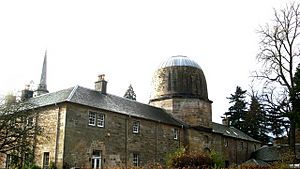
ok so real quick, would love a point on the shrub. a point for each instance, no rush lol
(218, 160)
(196, 160)
(31, 166)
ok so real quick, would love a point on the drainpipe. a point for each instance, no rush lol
(156, 142)
(57, 135)
(126, 141)
(236, 149)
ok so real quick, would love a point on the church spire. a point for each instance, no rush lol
(42, 88)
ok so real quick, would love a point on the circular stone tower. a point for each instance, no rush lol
(179, 86)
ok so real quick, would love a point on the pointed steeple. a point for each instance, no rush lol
(42, 88)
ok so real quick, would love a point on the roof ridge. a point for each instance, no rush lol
(72, 93)
(130, 100)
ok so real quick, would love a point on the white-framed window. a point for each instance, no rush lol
(96, 159)
(92, 118)
(100, 120)
(225, 143)
(136, 127)
(29, 121)
(135, 160)
(175, 134)
(46, 160)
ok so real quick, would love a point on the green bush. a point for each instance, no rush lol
(195, 160)
(31, 166)
(218, 160)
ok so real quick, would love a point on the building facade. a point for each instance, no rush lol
(90, 128)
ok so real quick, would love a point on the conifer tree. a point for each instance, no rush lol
(236, 113)
(130, 94)
(296, 96)
(255, 121)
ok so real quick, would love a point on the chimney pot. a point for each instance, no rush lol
(101, 77)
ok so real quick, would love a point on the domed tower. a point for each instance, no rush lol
(179, 86)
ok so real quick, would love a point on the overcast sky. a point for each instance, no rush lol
(128, 39)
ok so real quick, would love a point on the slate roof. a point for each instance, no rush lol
(230, 131)
(256, 162)
(274, 153)
(93, 98)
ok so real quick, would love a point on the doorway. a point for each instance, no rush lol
(96, 160)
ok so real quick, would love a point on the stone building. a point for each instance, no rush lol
(93, 129)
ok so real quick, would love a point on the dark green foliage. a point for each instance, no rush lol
(277, 121)
(236, 113)
(218, 160)
(251, 120)
(256, 121)
(31, 166)
(130, 94)
(295, 98)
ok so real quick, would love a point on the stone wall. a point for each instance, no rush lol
(52, 120)
(234, 150)
(195, 112)
(2, 160)
(199, 140)
(116, 140)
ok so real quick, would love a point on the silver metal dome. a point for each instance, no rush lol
(179, 60)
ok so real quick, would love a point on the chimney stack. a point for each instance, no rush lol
(101, 84)
(26, 93)
(10, 99)
(225, 121)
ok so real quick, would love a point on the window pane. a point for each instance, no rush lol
(96, 153)
(136, 160)
(92, 118)
(136, 127)
(29, 121)
(100, 120)
(175, 134)
(46, 160)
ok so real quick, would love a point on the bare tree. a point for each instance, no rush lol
(17, 129)
(279, 56)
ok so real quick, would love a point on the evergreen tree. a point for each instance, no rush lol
(130, 94)
(236, 113)
(277, 122)
(296, 96)
(255, 121)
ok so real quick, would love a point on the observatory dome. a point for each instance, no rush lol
(178, 77)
